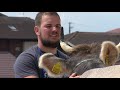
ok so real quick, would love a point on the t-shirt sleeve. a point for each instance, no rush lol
(25, 66)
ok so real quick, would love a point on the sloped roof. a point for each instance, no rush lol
(2, 15)
(90, 37)
(117, 30)
(23, 25)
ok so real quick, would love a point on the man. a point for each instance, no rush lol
(48, 31)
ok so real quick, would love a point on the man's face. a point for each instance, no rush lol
(50, 30)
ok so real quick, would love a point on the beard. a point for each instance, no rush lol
(50, 44)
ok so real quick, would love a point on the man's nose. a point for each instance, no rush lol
(55, 28)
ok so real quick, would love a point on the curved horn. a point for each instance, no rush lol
(66, 47)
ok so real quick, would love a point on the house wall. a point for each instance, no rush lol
(15, 47)
(28, 44)
(4, 45)
(18, 46)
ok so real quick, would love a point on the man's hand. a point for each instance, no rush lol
(74, 75)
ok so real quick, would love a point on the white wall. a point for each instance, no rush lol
(28, 44)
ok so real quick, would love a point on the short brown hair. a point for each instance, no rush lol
(40, 14)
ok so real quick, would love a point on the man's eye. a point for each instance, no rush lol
(58, 27)
(48, 26)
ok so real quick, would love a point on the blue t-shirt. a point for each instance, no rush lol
(27, 63)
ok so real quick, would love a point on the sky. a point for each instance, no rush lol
(81, 21)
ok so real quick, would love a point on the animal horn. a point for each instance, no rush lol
(66, 47)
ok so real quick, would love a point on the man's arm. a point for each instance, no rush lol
(25, 67)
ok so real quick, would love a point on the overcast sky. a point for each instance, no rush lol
(81, 21)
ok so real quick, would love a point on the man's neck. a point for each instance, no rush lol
(48, 49)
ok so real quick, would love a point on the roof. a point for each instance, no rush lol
(16, 28)
(117, 30)
(2, 15)
(90, 37)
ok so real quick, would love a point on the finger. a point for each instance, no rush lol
(73, 74)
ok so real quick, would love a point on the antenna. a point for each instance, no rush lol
(23, 14)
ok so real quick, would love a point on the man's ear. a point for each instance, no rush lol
(36, 30)
(54, 66)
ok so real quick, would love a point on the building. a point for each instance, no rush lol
(16, 35)
(91, 37)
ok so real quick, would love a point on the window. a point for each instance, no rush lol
(12, 28)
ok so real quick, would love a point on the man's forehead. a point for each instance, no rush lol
(49, 20)
(49, 16)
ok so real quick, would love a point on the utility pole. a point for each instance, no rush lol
(70, 27)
